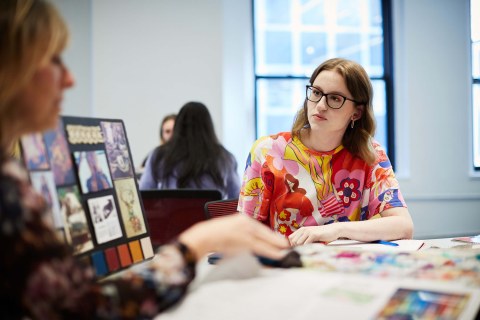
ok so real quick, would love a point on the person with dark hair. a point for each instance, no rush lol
(39, 276)
(193, 158)
(166, 132)
(327, 178)
(166, 128)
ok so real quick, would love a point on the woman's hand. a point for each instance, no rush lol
(326, 233)
(233, 234)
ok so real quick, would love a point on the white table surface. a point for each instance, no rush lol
(447, 243)
(242, 289)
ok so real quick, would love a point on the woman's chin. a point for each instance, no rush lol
(51, 124)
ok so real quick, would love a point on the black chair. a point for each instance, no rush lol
(171, 211)
(225, 207)
(219, 208)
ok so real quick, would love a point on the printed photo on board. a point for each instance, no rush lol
(34, 152)
(105, 219)
(77, 232)
(117, 150)
(130, 208)
(43, 182)
(93, 170)
(60, 159)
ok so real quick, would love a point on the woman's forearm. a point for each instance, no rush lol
(391, 227)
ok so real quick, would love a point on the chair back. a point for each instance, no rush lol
(219, 208)
(171, 211)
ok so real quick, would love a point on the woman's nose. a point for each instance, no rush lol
(322, 105)
(68, 79)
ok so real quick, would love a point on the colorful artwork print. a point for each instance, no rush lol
(130, 208)
(117, 150)
(59, 155)
(44, 184)
(105, 219)
(461, 266)
(93, 170)
(77, 232)
(420, 304)
(34, 152)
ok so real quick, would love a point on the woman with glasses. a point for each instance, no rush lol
(308, 183)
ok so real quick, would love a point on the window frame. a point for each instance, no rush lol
(388, 76)
(475, 84)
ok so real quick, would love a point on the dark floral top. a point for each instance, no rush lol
(40, 279)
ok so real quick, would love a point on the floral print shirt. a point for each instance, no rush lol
(287, 185)
(40, 279)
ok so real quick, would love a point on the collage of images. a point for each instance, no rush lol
(83, 170)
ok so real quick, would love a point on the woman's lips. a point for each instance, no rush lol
(319, 117)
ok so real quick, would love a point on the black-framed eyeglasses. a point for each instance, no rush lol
(334, 100)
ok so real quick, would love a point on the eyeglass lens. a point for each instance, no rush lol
(334, 101)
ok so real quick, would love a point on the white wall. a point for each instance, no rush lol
(432, 90)
(238, 88)
(151, 57)
(78, 56)
(139, 60)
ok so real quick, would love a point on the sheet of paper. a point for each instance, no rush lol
(474, 239)
(403, 245)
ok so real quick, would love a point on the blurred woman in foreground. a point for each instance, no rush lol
(40, 278)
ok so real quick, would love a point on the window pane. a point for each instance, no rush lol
(375, 9)
(314, 49)
(313, 12)
(278, 48)
(348, 12)
(277, 104)
(474, 10)
(278, 11)
(348, 46)
(279, 123)
(376, 56)
(476, 125)
(315, 31)
(476, 60)
(380, 111)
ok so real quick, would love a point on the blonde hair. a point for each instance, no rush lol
(32, 31)
(357, 140)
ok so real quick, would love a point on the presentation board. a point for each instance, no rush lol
(84, 171)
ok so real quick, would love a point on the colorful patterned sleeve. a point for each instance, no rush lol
(153, 287)
(41, 279)
(251, 192)
(64, 289)
(383, 185)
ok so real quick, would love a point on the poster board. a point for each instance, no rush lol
(84, 171)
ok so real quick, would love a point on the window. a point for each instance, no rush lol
(475, 26)
(292, 37)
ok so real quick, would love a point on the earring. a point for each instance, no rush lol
(352, 124)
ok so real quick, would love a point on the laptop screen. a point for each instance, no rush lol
(171, 211)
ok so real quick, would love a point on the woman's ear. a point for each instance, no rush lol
(358, 112)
